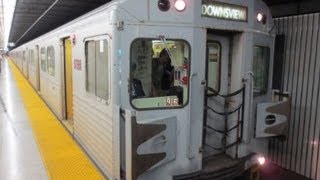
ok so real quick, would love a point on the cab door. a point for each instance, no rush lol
(157, 116)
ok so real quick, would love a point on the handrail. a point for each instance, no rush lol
(224, 113)
(214, 129)
(239, 125)
(226, 95)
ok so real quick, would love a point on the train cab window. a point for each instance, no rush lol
(260, 65)
(97, 79)
(214, 64)
(159, 73)
(43, 57)
(50, 60)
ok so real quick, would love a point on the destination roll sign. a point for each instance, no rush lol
(221, 10)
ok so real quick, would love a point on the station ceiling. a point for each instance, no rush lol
(280, 8)
(33, 18)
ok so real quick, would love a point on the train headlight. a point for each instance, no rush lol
(261, 18)
(261, 160)
(164, 5)
(180, 5)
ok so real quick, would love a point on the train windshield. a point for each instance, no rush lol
(159, 73)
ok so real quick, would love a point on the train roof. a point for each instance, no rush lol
(237, 15)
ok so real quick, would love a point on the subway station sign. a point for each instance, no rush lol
(221, 10)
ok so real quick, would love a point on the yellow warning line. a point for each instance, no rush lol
(62, 157)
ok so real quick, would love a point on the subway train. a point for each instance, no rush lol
(163, 89)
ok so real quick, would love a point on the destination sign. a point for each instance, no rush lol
(221, 10)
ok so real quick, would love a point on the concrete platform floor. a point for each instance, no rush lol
(34, 145)
(19, 154)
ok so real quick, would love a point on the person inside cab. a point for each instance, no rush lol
(167, 78)
(136, 85)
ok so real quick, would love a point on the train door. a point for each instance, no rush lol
(68, 78)
(37, 62)
(217, 78)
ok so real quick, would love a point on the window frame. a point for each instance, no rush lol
(130, 78)
(90, 94)
(261, 93)
(220, 65)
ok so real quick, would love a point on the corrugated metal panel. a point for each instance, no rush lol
(93, 127)
(300, 151)
(51, 93)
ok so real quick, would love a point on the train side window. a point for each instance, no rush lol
(260, 65)
(50, 60)
(24, 56)
(32, 57)
(97, 79)
(159, 73)
(90, 67)
(214, 64)
(102, 69)
(43, 57)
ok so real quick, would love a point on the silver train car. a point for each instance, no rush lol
(163, 89)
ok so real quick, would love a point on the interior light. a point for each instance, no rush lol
(261, 160)
(180, 5)
(261, 18)
(164, 5)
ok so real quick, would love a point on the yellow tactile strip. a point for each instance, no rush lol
(62, 157)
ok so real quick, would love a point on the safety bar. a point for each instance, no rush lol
(239, 125)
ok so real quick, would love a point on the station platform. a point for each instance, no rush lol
(34, 144)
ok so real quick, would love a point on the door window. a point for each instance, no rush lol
(214, 66)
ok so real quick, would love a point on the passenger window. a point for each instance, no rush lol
(24, 56)
(97, 78)
(50, 60)
(31, 57)
(260, 65)
(159, 73)
(90, 67)
(213, 60)
(43, 60)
